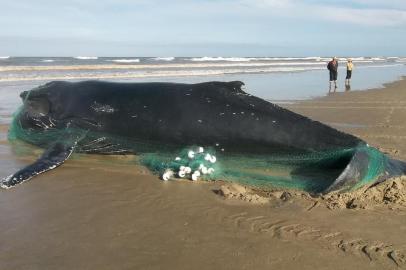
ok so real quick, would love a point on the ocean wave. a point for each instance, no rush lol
(36, 73)
(309, 58)
(213, 59)
(4, 57)
(86, 57)
(157, 66)
(164, 58)
(154, 73)
(377, 59)
(361, 58)
(127, 65)
(381, 66)
(394, 59)
(47, 60)
(314, 58)
(363, 61)
(248, 59)
(125, 60)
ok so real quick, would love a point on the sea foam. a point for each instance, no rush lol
(86, 57)
(247, 59)
(125, 60)
(231, 59)
(164, 58)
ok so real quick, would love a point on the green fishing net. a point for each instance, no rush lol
(313, 171)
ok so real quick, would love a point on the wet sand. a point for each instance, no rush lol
(376, 116)
(99, 212)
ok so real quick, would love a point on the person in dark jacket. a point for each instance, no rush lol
(333, 68)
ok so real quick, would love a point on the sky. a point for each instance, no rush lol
(202, 28)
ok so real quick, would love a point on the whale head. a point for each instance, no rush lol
(36, 111)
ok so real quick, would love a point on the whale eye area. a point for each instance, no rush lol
(37, 107)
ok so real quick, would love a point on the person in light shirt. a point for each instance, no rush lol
(350, 66)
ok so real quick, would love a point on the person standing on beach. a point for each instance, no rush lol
(333, 68)
(350, 66)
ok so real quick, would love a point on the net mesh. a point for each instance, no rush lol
(312, 172)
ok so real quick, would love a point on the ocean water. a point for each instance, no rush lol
(278, 79)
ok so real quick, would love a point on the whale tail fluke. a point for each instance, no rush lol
(367, 167)
(396, 167)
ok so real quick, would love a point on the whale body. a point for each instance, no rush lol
(98, 117)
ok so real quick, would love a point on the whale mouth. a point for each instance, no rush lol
(36, 104)
(37, 107)
(36, 112)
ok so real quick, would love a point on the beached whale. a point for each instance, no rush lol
(121, 118)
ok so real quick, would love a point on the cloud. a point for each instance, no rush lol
(367, 17)
(392, 4)
(280, 4)
(357, 12)
(136, 24)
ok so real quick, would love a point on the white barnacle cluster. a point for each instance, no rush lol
(102, 108)
(193, 164)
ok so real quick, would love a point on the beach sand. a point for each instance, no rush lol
(98, 212)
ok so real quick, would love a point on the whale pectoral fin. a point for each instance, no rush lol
(50, 159)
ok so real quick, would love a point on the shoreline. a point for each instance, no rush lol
(372, 115)
(383, 86)
(268, 83)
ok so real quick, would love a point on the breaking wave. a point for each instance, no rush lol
(154, 73)
(108, 67)
(231, 59)
(247, 59)
(287, 59)
(159, 66)
(86, 57)
(164, 58)
(310, 58)
(125, 61)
